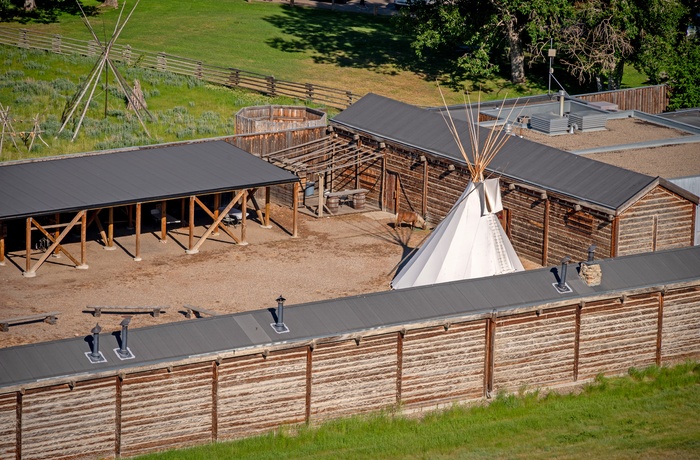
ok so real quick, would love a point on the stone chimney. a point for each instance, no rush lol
(591, 273)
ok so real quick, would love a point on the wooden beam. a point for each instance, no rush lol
(321, 196)
(31, 270)
(163, 222)
(190, 245)
(424, 197)
(214, 399)
(100, 229)
(545, 233)
(217, 204)
(137, 255)
(118, 417)
(267, 208)
(57, 221)
(195, 249)
(110, 231)
(28, 246)
(3, 235)
(309, 363)
(382, 186)
(615, 231)
(659, 328)
(577, 339)
(295, 212)
(57, 242)
(399, 364)
(83, 242)
(244, 216)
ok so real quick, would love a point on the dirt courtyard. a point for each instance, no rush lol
(332, 257)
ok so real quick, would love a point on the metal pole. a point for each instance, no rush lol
(123, 350)
(96, 341)
(280, 312)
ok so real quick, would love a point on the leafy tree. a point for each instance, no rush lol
(684, 75)
(485, 29)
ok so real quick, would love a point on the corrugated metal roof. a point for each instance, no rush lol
(209, 336)
(76, 182)
(520, 159)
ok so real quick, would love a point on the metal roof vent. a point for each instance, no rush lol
(561, 286)
(96, 356)
(279, 325)
(123, 351)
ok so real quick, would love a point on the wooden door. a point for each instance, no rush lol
(391, 194)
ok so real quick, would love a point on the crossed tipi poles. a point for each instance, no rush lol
(103, 64)
(28, 137)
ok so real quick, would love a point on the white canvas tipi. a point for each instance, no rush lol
(469, 242)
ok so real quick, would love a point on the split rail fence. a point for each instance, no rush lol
(412, 366)
(163, 62)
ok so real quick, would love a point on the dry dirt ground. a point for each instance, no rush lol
(332, 257)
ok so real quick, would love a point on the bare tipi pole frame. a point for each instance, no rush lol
(103, 64)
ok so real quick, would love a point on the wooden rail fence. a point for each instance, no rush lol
(163, 62)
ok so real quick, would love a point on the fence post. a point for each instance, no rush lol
(309, 92)
(162, 62)
(92, 47)
(127, 54)
(23, 42)
(271, 86)
(56, 44)
(349, 95)
(198, 70)
(234, 77)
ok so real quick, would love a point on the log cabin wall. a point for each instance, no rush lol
(571, 232)
(8, 425)
(527, 217)
(271, 387)
(659, 220)
(442, 364)
(64, 422)
(680, 324)
(416, 366)
(353, 377)
(534, 349)
(166, 409)
(616, 335)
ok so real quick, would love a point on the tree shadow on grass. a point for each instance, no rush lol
(45, 12)
(348, 40)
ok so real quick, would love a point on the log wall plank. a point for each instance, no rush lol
(8, 425)
(532, 350)
(441, 366)
(58, 422)
(349, 379)
(615, 336)
(258, 394)
(166, 410)
(681, 325)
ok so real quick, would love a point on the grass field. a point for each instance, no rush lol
(648, 414)
(358, 52)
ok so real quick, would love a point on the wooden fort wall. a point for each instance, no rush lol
(411, 367)
(659, 220)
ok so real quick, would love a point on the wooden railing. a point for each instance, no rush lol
(226, 76)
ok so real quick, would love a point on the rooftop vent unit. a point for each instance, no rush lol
(123, 352)
(588, 120)
(561, 286)
(602, 105)
(95, 356)
(279, 325)
(549, 123)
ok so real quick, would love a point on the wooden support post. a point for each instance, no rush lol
(57, 221)
(244, 216)
(425, 189)
(615, 236)
(217, 204)
(309, 367)
(18, 424)
(118, 417)
(399, 364)
(321, 195)
(382, 186)
(545, 233)
(295, 212)
(137, 255)
(110, 231)
(83, 242)
(490, 346)
(214, 400)
(190, 245)
(31, 271)
(3, 234)
(28, 246)
(193, 249)
(659, 329)
(163, 222)
(267, 208)
(577, 339)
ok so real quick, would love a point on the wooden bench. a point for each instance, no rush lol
(98, 310)
(198, 312)
(347, 193)
(45, 317)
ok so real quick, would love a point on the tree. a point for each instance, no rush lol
(482, 28)
(684, 75)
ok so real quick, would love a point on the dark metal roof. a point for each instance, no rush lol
(210, 336)
(688, 116)
(92, 181)
(521, 160)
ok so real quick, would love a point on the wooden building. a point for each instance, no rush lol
(232, 376)
(556, 204)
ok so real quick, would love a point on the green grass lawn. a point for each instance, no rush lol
(648, 414)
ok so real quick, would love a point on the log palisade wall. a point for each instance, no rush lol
(412, 366)
(543, 226)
